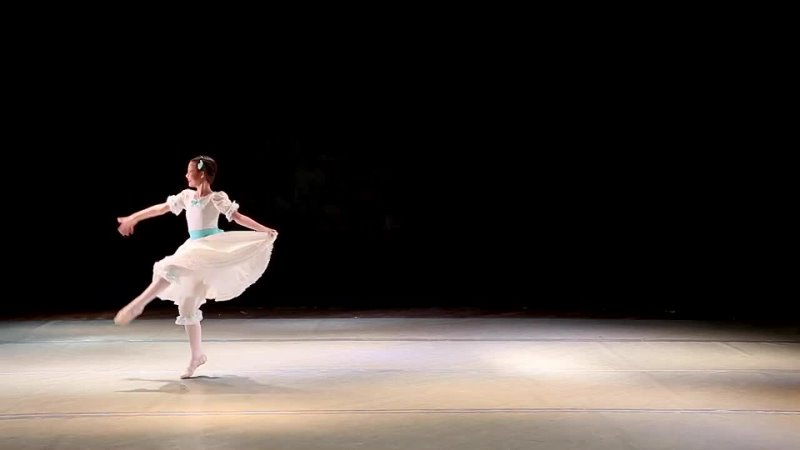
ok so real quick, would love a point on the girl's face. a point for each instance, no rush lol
(194, 176)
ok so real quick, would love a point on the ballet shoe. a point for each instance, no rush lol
(127, 314)
(193, 366)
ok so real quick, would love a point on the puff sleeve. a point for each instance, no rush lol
(224, 205)
(177, 202)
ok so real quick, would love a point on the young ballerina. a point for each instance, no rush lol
(210, 264)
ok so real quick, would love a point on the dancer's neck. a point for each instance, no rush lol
(203, 190)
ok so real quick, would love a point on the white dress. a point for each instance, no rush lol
(211, 264)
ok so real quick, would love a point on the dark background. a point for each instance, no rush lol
(565, 198)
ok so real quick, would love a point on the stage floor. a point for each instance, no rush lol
(400, 382)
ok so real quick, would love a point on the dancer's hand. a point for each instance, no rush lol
(270, 231)
(125, 226)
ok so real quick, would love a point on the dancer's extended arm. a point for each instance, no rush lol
(126, 224)
(245, 221)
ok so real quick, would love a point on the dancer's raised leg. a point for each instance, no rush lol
(133, 309)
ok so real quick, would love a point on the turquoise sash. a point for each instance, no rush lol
(197, 234)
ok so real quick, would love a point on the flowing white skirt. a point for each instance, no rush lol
(219, 267)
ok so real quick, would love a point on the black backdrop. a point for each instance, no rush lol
(405, 203)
